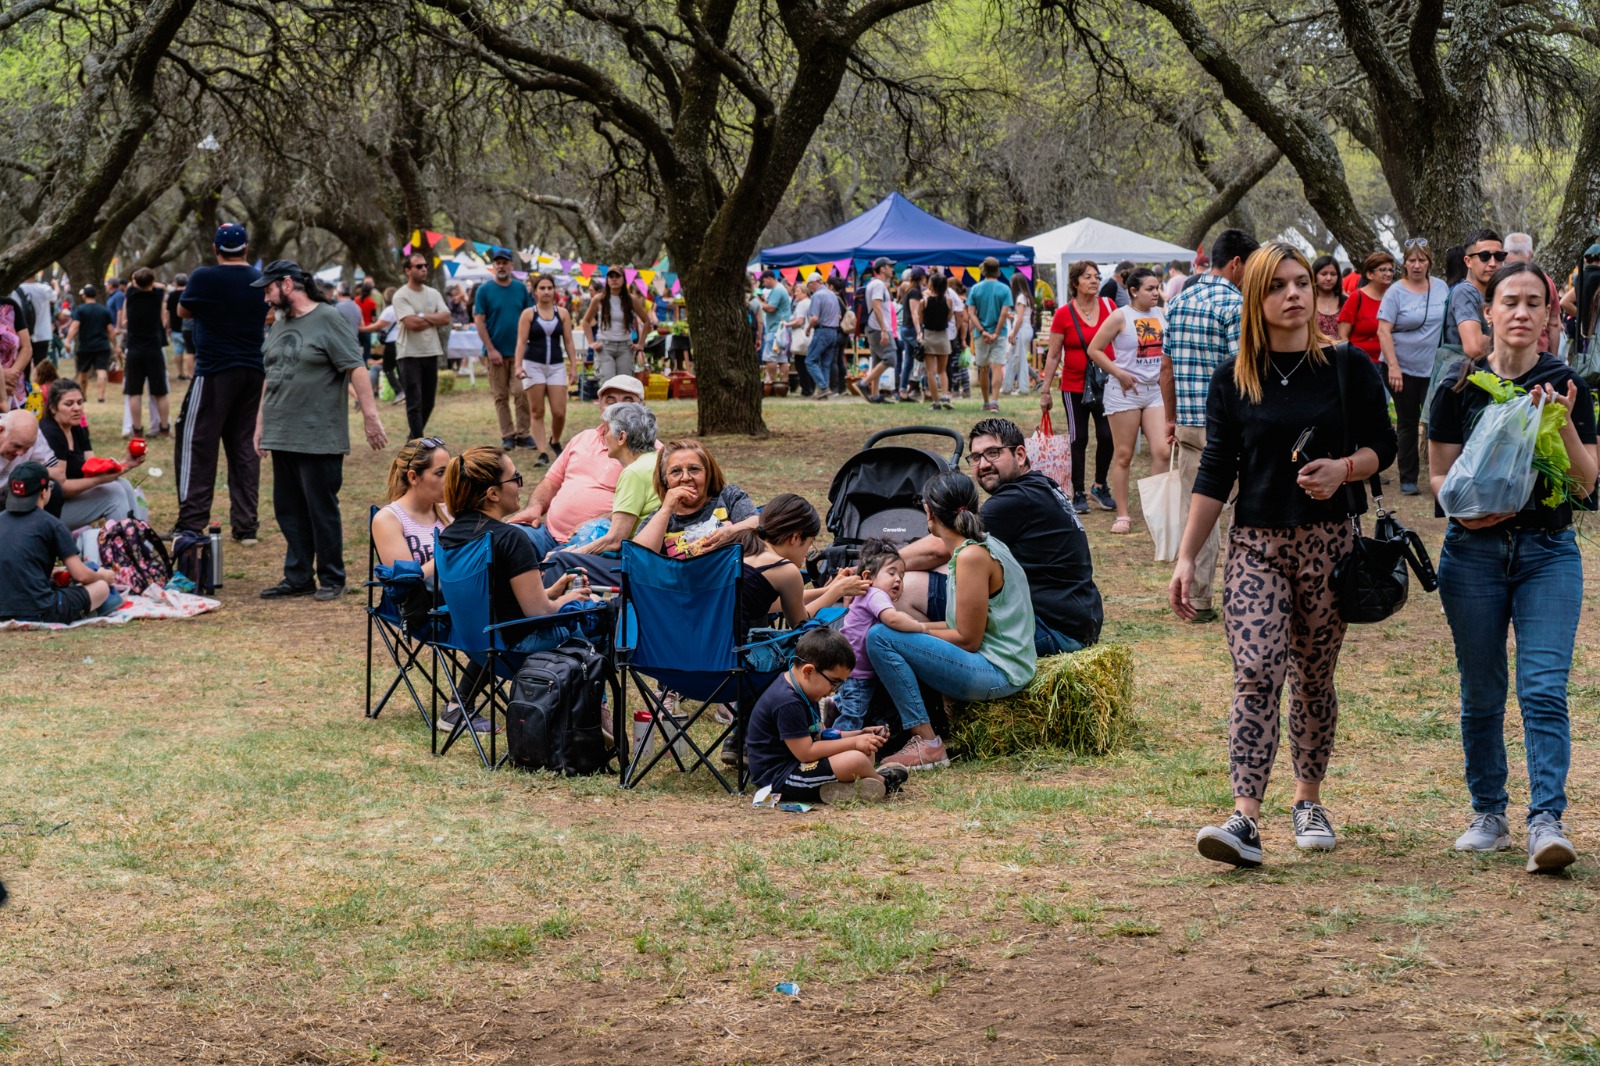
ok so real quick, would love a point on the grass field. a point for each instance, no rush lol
(215, 858)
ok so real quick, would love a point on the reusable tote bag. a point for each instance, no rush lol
(1161, 499)
(1051, 455)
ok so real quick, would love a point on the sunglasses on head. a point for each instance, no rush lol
(429, 443)
(1417, 242)
(1484, 257)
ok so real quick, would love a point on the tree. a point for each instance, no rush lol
(722, 97)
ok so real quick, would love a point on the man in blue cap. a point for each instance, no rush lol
(230, 318)
(497, 307)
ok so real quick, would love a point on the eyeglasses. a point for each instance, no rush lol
(833, 682)
(686, 471)
(1417, 242)
(416, 266)
(514, 479)
(1484, 257)
(988, 455)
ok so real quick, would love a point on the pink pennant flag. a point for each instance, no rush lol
(1027, 272)
(630, 274)
(842, 266)
(677, 286)
(789, 274)
(407, 249)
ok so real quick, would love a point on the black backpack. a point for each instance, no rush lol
(553, 718)
(191, 557)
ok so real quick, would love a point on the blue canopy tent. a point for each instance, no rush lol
(903, 232)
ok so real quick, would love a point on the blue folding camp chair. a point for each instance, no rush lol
(387, 588)
(681, 630)
(478, 644)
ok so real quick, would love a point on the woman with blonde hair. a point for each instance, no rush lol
(413, 504)
(1299, 444)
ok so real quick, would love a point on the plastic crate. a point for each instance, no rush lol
(657, 388)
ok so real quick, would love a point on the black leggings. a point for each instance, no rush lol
(1407, 413)
(1078, 430)
(420, 380)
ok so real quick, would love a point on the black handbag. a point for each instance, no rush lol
(1371, 582)
(1094, 375)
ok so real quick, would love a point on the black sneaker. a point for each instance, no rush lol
(1102, 496)
(526, 442)
(877, 397)
(1313, 829)
(541, 459)
(507, 443)
(283, 589)
(1080, 502)
(328, 592)
(556, 446)
(1236, 841)
(894, 778)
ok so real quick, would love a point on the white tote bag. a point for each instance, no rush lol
(1161, 499)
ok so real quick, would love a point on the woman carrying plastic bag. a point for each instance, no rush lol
(1517, 562)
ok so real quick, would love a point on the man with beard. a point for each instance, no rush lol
(1030, 515)
(311, 359)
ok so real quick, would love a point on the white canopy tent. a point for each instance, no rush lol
(1089, 238)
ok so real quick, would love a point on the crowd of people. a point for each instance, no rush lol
(1267, 378)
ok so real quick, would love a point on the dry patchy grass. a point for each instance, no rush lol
(250, 871)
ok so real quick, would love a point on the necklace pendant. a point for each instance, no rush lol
(1284, 380)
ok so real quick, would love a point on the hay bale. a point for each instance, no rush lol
(1081, 702)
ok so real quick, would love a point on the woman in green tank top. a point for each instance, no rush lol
(984, 647)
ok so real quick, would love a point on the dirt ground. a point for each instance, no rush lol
(215, 858)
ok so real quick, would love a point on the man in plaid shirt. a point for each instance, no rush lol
(1202, 331)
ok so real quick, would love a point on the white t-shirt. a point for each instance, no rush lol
(958, 307)
(799, 339)
(41, 297)
(1137, 349)
(880, 317)
(1021, 316)
(618, 330)
(386, 317)
(418, 343)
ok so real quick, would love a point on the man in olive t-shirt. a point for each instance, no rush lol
(311, 358)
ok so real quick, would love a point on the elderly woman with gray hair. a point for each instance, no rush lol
(629, 432)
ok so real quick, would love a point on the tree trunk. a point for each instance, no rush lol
(1435, 174)
(1228, 197)
(728, 377)
(84, 266)
(1579, 219)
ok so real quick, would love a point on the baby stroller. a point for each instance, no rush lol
(878, 493)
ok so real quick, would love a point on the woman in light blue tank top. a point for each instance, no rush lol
(982, 649)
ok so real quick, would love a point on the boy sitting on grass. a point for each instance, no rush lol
(788, 749)
(31, 540)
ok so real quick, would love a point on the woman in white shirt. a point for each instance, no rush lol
(1018, 373)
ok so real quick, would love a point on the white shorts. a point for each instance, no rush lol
(1143, 395)
(543, 373)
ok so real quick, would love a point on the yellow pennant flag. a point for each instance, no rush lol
(973, 273)
(647, 276)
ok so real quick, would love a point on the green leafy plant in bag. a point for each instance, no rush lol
(1549, 452)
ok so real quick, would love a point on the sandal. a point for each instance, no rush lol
(1123, 525)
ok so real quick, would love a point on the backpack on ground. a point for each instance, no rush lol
(132, 556)
(553, 717)
(191, 557)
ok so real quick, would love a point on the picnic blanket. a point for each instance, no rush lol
(154, 602)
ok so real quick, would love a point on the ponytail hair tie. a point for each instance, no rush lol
(961, 510)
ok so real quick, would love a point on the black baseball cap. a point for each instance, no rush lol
(28, 480)
(277, 270)
(881, 262)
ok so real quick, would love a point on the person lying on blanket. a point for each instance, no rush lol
(31, 540)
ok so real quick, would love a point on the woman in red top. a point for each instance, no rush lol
(1071, 330)
(1358, 318)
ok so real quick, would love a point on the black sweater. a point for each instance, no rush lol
(1252, 442)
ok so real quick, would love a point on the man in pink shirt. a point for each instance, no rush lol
(581, 482)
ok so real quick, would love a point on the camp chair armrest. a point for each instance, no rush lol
(549, 619)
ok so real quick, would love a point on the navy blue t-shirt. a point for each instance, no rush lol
(780, 714)
(230, 318)
(30, 544)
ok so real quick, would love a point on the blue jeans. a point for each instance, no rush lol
(544, 541)
(1047, 641)
(854, 701)
(907, 362)
(1533, 581)
(819, 355)
(902, 659)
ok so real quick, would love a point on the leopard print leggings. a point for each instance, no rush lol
(1282, 623)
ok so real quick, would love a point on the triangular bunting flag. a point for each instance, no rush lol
(434, 238)
(436, 262)
(416, 236)
(452, 266)
(1027, 272)
(481, 248)
(972, 272)
(790, 273)
(406, 250)
(455, 243)
(602, 270)
(630, 275)
(842, 266)
(676, 287)
(1008, 271)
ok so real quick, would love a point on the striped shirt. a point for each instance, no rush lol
(1202, 331)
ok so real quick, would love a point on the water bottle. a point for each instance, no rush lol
(643, 742)
(580, 579)
(216, 554)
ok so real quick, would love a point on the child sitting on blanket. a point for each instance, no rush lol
(787, 747)
(882, 566)
(31, 540)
